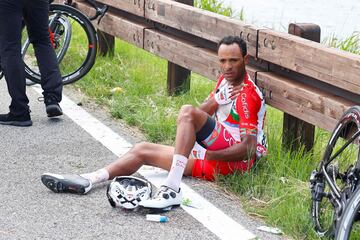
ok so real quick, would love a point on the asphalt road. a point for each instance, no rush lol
(28, 210)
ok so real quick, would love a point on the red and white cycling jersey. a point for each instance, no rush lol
(244, 115)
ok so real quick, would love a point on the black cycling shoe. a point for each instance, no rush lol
(68, 183)
(53, 108)
(20, 121)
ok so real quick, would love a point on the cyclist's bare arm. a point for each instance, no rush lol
(244, 150)
(209, 106)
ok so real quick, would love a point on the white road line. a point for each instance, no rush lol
(211, 217)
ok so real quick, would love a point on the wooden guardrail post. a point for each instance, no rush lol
(178, 79)
(106, 44)
(297, 132)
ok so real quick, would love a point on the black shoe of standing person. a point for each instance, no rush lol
(11, 119)
(53, 108)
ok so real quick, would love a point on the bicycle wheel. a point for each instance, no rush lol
(75, 43)
(336, 178)
(60, 37)
(349, 225)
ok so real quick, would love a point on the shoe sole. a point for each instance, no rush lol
(160, 210)
(53, 111)
(56, 185)
(18, 123)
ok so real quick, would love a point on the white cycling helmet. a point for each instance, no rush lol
(128, 191)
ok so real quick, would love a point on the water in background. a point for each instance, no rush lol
(335, 17)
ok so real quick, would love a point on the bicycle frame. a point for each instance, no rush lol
(324, 181)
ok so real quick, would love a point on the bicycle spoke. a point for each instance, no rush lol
(357, 134)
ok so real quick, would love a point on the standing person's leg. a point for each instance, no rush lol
(36, 15)
(12, 64)
(141, 154)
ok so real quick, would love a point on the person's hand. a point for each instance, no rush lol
(222, 95)
(227, 94)
(235, 91)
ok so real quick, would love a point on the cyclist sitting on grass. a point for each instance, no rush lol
(223, 135)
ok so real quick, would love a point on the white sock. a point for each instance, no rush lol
(178, 165)
(98, 176)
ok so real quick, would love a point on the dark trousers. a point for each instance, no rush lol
(35, 14)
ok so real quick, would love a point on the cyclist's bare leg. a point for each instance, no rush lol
(189, 122)
(145, 153)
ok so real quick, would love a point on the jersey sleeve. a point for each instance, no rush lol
(248, 104)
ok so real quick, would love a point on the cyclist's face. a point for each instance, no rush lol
(232, 63)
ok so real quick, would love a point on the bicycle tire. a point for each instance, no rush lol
(59, 50)
(80, 54)
(68, 33)
(348, 124)
(349, 217)
(60, 30)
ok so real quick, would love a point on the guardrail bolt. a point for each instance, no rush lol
(266, 42)
(151, 5)
(273, 45)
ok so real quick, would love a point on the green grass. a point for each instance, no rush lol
(143, 101)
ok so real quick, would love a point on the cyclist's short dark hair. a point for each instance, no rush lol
(228, 40)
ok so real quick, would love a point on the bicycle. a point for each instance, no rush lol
(349, 225)
(74, 39)
(335, 183)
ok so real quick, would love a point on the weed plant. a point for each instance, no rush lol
(349, 44)
(220, 7)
